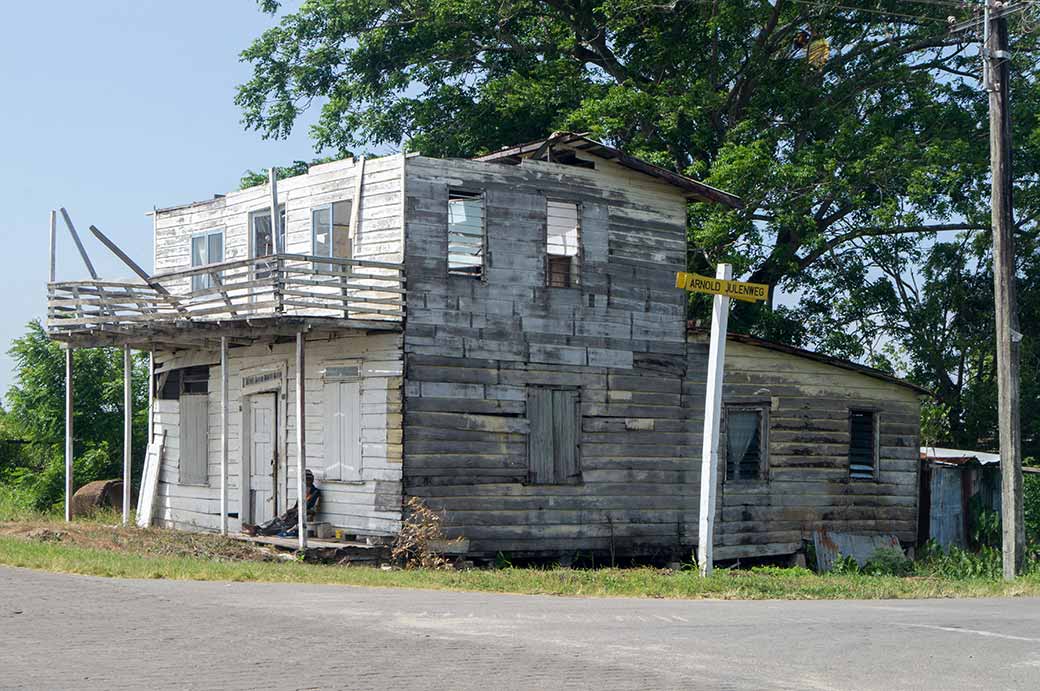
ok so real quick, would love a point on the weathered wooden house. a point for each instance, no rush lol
(500, 337)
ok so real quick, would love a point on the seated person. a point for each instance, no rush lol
(286, 525)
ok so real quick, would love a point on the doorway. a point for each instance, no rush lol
(262, 451)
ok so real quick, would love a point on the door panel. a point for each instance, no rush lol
(263, 440)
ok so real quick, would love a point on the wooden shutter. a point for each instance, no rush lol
(540, 438)
(350, 430)
(565, 435)
(342, 430)
(333, 431)
(194, 440)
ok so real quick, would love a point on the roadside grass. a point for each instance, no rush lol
(97, 548)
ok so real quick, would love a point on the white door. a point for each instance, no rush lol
(263, 444)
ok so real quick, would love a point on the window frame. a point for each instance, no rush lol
(481, 196)
(578, 259)
(763, 441)
(251, 230)
(875, 416)
(205, 281)
(331, 207)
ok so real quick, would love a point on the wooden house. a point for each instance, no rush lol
(500, 337)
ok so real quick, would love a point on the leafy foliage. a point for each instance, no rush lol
(857, 163)
(35, 467)
(252, 178)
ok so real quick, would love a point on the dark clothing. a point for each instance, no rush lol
(286, 524)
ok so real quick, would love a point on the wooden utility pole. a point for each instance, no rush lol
(996, 79)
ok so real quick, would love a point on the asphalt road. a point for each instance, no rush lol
(74, 632)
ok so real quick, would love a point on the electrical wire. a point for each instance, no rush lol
(823, 4)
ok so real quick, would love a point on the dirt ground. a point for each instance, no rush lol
(150, 542)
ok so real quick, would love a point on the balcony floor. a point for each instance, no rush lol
(206, 335)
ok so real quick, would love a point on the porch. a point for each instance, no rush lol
(275, 304)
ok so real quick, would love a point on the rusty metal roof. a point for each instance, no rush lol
(541, 148)
(819, 357)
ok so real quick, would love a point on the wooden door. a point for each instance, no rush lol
(263, 445)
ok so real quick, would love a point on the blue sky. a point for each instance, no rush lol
(111, 107)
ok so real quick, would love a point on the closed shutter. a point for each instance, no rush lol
(194, 440)
(540, 438)
(343, 430)
(350, 429)
(333, 431)
(565, 435)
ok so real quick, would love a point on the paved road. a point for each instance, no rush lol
(73, 632)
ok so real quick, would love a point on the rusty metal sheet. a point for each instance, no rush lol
(860, 547)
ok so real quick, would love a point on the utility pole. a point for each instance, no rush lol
(996, 78)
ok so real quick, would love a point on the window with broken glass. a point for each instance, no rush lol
(467, 236)
(563, 238)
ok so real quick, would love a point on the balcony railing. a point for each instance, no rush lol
(285, 284)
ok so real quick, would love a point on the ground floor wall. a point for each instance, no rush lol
(368, 503)
(467, 435)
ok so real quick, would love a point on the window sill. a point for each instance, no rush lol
(349, 483)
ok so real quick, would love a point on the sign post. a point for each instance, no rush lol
(723, 288)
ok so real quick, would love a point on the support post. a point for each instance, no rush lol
(128, 429)
(54, 240)
(276, 218)
(68, 434)
(998, 74)
(301, 444)
(224, 435)
(712, 418)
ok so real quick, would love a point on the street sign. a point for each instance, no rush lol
(738, 290)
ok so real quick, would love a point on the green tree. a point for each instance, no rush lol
(36, 416)
(856, 168)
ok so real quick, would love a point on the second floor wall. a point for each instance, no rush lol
(321, 216)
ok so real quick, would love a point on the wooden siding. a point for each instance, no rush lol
(474, 347)
(371, 505)
(377, 233)
(808, 484)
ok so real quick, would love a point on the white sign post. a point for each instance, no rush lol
(712, 416)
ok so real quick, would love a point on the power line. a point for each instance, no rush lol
(823, 4)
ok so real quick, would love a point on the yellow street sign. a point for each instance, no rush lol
(738, 290)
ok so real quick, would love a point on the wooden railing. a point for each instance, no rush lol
(284, 284)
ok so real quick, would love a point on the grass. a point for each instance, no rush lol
(97, 549)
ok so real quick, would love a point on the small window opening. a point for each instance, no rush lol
(863, 445)
(466, 234)
(563, 238)
(330, 228)
(745, 444)
(173, 384)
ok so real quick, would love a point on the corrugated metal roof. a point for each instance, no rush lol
(958, 456)
(537, 149)
(819, 357)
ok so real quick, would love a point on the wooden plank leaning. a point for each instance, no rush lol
(154, 285)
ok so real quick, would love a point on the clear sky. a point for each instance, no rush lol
(108, 108)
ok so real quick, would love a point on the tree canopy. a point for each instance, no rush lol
(856, 132)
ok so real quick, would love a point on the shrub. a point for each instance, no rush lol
(888, 561)
(415, 544)
(845, 566)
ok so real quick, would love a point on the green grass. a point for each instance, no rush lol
(764, 583)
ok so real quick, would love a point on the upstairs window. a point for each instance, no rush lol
(467, 237)
(330, 230)
(746, 444)
(552, 446)
(863, 444)
(262, 235)
(206, 248)
(563, 231)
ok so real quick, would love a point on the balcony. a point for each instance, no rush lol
(246, 299)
